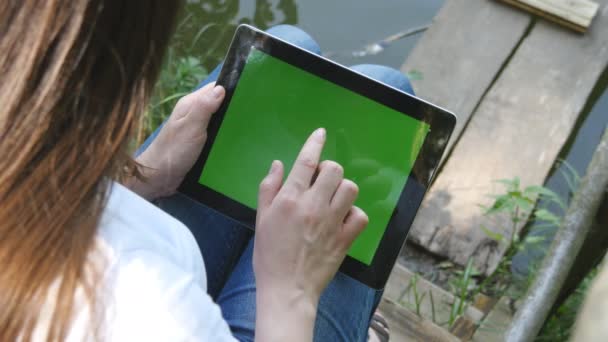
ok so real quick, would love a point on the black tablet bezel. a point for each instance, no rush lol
(441, 122)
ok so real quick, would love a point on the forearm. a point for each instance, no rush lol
(282, 316)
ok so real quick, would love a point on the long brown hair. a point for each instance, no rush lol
(75, 76)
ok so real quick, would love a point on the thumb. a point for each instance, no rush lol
(200, 105)
(271, 184)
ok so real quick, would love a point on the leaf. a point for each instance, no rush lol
(515, 239)
(534, 240)
(547, 216)
(546, 194)
(523, 203)
(571, 175)
(535, 190)
(445, 265)
(483, 208)
(502, 203)
(414, 75)
(516, 183)
(511, 184)
(540, 190)
(493, 235)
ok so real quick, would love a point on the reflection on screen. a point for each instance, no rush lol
(274, 109)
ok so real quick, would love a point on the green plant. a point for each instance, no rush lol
(433, 318)
(180, 74)
(178, 77)
(518, 205)
(461, 287)
(418, 298)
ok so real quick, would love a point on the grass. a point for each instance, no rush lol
(461, 287)
(179, 76)
(182, 71)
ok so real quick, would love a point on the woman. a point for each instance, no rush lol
(83, 257)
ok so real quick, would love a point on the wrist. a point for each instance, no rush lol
(150, 184)
(285, 315)
(143, 186)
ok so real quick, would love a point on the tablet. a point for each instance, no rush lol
(388, 142)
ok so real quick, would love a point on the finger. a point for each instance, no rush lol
(306, 164)
(183, 107)
(270, 185)
(355, 222)
(329, 178)
(345, 196)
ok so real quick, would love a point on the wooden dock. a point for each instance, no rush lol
(518, 84)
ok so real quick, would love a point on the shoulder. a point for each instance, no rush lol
(155, 280)
(152, 299)
(131, 226)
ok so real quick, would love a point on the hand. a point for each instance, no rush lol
(174, 151)
(303, 232)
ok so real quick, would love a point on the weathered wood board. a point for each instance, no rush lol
(494, 326)
(462, 51)
(574, 14)
(400, 290)
(464, 328)
(406, 326)
(518, 130)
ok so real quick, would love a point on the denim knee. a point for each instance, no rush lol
(387, 75)
(295, 36)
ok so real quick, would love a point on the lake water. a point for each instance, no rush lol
(342, 27)
(339, 26)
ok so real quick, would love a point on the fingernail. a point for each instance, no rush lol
(320, 133)
(217, 92)
(273, 167)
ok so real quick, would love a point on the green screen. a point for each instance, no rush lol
(274, 109)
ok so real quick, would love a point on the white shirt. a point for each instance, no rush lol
(156, 287)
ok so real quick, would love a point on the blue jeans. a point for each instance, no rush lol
(345, 307)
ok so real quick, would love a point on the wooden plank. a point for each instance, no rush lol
(484, 303)
(461, 53)
(463, 328)
(406, 326)
(399, 289)
(518, 130)
(494, 326)
(574, 14)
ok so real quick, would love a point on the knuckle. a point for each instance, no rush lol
(361, 217)
(312, 218)
(307, 162)
(287, 201)
(350, 186)
(334, 167)
(184, 101)
(201, 103)
(207, 102)
(265, 184)
(298, 183)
